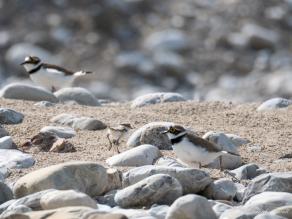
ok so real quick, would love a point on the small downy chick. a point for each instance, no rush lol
(114, 134)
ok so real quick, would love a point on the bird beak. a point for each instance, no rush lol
(22, 63)
(164, 132)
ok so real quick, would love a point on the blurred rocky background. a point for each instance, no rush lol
(204, 49)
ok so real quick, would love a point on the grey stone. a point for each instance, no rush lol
(62, 132)
(107, 199)
(80, 95)
(69, 175)
(66, 198)
(139, 156)
(27, 92)
(156, 189)
(237, 140)
(67, 213)
(31, 201)
(274, 103)
(45, 104)
(151, 134)
(219, 208)
(222, 189)
(155, 98)
(276, 182)
(17, 210)
(3, 132)
(171, 39)
(168, 162)
(248, 171)
(11, 158)
(229, 161)
(169, 61)
(158, 211)
(221, 140)
(192, 180)
(9, 116)
(268, 216)
(77, 122)
(5, 193)
(285, 212)
(3, 172)
(191, 207)
(7, 143)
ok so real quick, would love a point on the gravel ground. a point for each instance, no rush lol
(271, 130)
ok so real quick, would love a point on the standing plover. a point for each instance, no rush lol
(114, 134)
(190, 148)
(49, 76)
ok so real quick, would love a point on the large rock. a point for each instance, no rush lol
(248, 171)
(5, 193)
(151, 134)
(66, 198)
(191, 207)
(26, 92)
(3, 131)
(7, 143)
(80, 95)
(9, 116)
(139, 156)
(268, 216)
(221, 141)
(154, 98)
(274, 103)
(264, 202)
(78, 122)
(15, 159)
(275, 182)
(156, 189)
(168, 162)
(237, 140)
(219, 208)
(16, 211)
(171, 40)
(222, 189)
(31, 201)
(192, 180)
(61, 132)
(285, 212)
(66, 213)
(65, 176)
(229, 161)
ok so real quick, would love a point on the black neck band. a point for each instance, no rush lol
(178, 139)
(35, 69)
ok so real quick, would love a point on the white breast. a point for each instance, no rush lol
(188, 152)
(49, 78)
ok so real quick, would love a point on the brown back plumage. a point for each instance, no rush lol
(66, 72)
(209, 146)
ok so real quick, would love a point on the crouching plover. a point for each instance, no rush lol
(49, 76)
(114, 134)
(190, 148)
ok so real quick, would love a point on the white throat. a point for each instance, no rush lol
(172, 136)
(28, 67)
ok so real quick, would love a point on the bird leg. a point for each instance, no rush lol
(110, 142)
(200, 165)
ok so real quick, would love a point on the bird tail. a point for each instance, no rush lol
(80, 73)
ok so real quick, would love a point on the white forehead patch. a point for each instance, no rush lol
(27, 58)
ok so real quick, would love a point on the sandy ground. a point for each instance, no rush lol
(271, 130)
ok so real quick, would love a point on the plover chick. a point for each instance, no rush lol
(52, 77)
(114, 134)
(190, 148)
